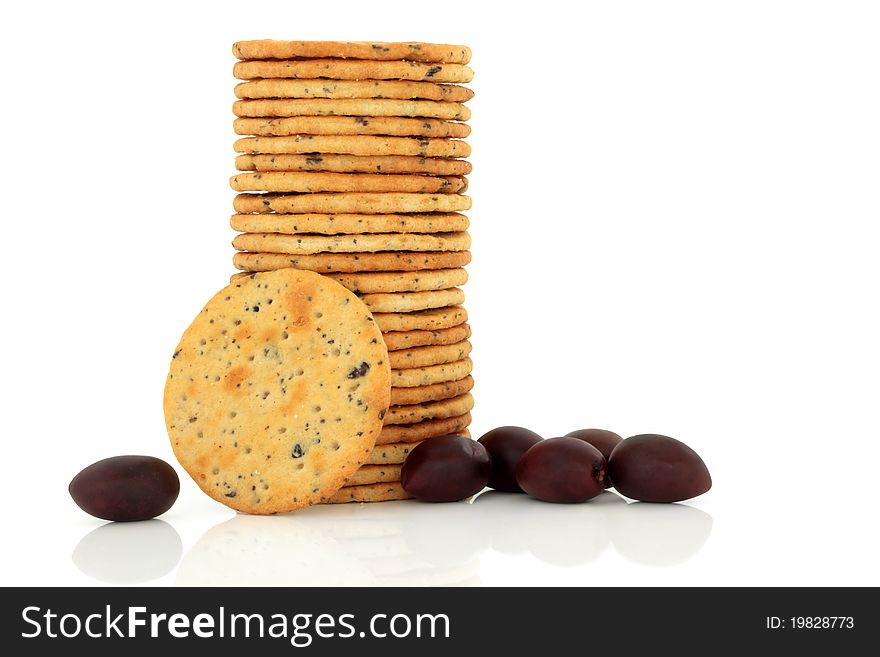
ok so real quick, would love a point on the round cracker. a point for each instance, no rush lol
(350, 224)
(424, 320)
(354, 145)
(374, 474)
(429, 393)
(426, 356)
(318, 88)
(390, 453)
(350, 125)
(403, 433)
(397, 340)
(394, 453)
(344, 163)
(376, 50)
(297, 181)
(386, 492)
(397, 281)
(423, 376)
(371, 243)
(369, 107)
(350, 202)
(358, 262)
(352, 69)
(434, 410)
(276, 392)
(408, 302)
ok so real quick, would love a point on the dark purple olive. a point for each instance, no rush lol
(655, 468)
(566, 470)
(445, 469)
(506, 445)
(604, 441)
(126, 488)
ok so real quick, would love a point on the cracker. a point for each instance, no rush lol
(276, 392)
(423, 376)
(427, 356)
(425, 320)
(370, 493)
(354, 145)
(357, 262)
(363, 107)
(395, 453)
(390, 453)
(298, 181)
(318, 88)
(350, 224)
(396, 281)
(343, 163)
(434, 392)
(403, 433)
(350, 125)
(433, 410)
(374, 474)
(378, 50)
(352, 69)
(407, 302)
(361, 202)
(371, 243)
(397, 340)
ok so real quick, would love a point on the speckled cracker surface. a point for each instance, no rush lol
(277, 391)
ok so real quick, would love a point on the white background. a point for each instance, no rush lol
(675, 230)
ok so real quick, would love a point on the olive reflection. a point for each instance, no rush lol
(129, 552)
(660, 534)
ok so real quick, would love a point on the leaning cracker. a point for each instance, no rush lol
(307, 182)
(434, 392)
(362, 202)
(354, 145)
(397, 340)
(369, 493)
(352, 69)
(423, 376)
(401, 433)
(323, 88)
(344, 163)
(407, 302)
(434, 410)
(345, 224)
(374, 474)
(276, 391)
(378, 50)
(425, 320)
(427, 356)
(350, 125)
(395, 281)
(357, 262)
(371, 243)
(364, 107)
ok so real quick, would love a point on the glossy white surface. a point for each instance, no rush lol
(675, 230)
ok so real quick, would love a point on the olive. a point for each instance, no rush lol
(604, 441)
(565, 470)
(506, 445)
(655, 468)
(126, 488)
(445, 469)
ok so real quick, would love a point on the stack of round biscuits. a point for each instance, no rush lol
(351, 164)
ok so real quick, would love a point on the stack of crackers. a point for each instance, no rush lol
(351, 164)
